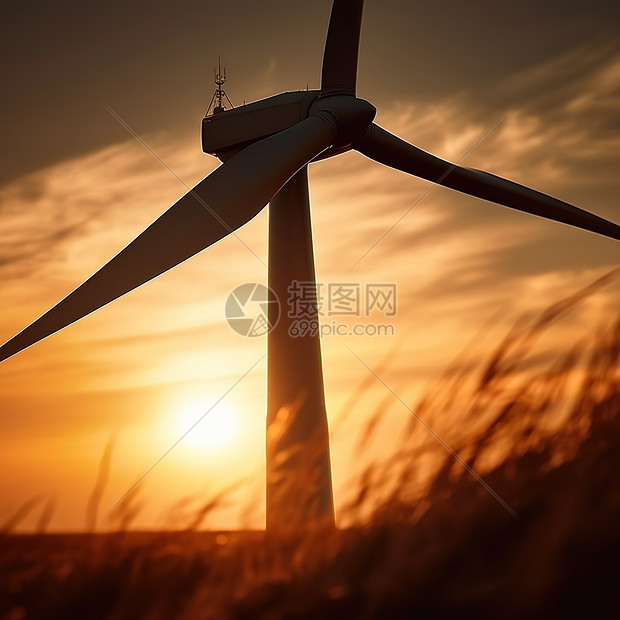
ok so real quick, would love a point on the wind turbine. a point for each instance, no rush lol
(266, 147)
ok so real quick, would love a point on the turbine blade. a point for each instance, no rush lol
(222, 202)
(386, 148)
(341, 48)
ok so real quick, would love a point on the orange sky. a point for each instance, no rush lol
(135, 368)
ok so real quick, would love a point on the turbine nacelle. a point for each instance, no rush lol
(226, 133)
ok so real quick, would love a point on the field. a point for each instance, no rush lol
(425, 538)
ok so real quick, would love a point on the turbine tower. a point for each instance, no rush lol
(266, 147)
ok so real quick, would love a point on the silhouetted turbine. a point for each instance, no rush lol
(266, 147)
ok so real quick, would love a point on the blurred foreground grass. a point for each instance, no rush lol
(426, 538)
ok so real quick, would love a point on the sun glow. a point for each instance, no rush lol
(206, 424)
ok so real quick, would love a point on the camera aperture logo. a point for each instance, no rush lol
(249, 308)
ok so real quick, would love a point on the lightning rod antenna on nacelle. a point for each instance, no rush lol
(219, 78)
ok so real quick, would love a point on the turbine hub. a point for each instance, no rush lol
(348, 116)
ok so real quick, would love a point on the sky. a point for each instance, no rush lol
(76, 187)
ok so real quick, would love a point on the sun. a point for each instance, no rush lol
(207, 425)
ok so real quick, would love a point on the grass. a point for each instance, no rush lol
(424, 539)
